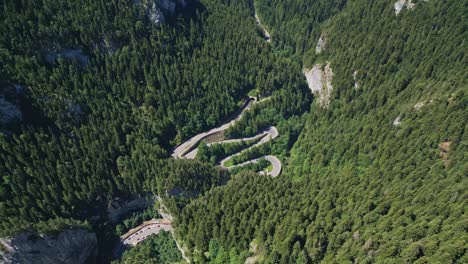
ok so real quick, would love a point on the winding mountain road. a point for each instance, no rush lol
(188, 149)
(182, 149)
(140, 233)
(193, 153)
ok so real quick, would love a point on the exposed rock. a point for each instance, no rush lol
(155, 15)
(397, 121)
(399, 5)
(253, 250)
(421, 104)
(69, 246)
(265, 33)
(117, 208)
(320, 44)
(402, 4)
(157, 10)
(444, 153)
(356, 85)
(320, 82)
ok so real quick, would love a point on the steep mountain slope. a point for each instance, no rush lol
(109, 91)
(374, 162)
(360, 187)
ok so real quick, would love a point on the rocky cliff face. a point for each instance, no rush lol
(157, 10)
(70, 246)
(319, 79)
(402, 4)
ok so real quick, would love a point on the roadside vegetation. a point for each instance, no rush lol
(136, 219)
(160, 248)
(216, 152)
(357, 187)
(261, 165)
(157, 86)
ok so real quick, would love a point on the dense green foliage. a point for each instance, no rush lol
(252, 153)
(261, 165)
(216, 152)
(135, 219)
(157, 249)
(151, 87)
(358, 188)
(295, 25)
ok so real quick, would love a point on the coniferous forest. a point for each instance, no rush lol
(101, 95)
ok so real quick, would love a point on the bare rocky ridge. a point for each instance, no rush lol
(319, 81)
(70, 246)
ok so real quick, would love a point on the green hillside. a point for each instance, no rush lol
(358, 189)
(378, 174)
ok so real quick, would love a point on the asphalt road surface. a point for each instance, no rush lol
(145, 231)
(188, 149)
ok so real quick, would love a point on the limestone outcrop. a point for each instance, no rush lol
(73, 246)
(320, 79)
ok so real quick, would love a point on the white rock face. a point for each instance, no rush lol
(320, 83)
(157, 9)
(356, 85)
(397, 121)
(401, 4)
(155, 15)
(320, 44)
(419, 105)
(74, 246)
